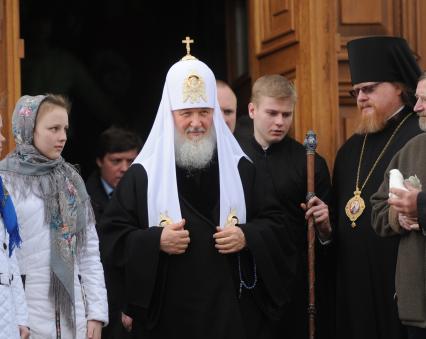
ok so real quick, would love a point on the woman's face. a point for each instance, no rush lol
(50, 132)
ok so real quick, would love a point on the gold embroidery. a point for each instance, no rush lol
(165, 220)
(232, 218)
(194, 88)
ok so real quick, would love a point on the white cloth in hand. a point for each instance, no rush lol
(396, 180)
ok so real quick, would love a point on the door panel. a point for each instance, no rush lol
(294, 38)
(305, 40)
(11, 51)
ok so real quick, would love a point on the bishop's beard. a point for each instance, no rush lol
(372, 122)
(196, 153)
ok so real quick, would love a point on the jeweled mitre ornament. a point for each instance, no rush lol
(194, 88)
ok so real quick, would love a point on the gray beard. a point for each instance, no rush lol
(422, 123)
(194, 154)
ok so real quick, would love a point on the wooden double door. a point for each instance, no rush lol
(305, 40)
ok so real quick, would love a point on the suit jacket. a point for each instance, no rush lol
(98, 196)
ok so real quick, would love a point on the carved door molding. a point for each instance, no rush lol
(11, 52)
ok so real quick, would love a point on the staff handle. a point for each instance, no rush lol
(311, 145)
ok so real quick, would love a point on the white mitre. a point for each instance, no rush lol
(189, 84)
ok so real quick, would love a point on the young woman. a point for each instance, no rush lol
(59, 258)
(13, 308)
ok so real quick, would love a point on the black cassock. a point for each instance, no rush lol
(196, 294)
(283, 164)
(366, 263)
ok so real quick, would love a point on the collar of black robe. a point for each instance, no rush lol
(200, 189)
(272, 148)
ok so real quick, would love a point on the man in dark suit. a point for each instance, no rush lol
(117, 148)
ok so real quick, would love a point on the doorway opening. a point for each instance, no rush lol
(111, 57)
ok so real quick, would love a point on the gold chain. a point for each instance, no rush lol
(378, 158)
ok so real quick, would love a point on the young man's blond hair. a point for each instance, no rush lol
(273, 86)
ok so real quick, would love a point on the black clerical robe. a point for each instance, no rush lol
(197, 294)
(283, 167)
(366, 263)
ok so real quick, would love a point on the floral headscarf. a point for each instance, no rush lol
(67, 209)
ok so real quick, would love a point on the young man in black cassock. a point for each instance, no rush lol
(281, 162)
(202, 258)
(384, 75)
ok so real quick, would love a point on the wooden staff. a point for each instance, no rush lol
(311, 145)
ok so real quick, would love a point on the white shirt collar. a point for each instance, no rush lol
(107, 187)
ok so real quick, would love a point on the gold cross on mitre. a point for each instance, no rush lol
(188, 55)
